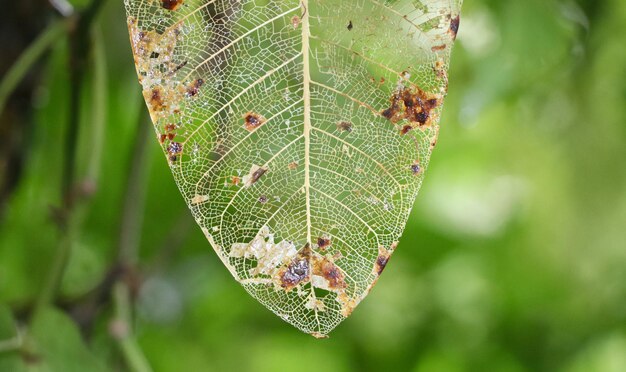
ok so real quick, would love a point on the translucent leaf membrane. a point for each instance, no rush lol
(298, 133)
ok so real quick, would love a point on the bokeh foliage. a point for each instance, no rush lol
(514, 258)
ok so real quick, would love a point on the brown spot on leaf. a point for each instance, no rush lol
(263, 199)
(253, 120)
(235, 180)
(345, 126)
(438, 48)
(388, 113)
(323, 242)
(454, 26)
(169, 133)
(171, 4)
(194, 87)
(178, 67)
(293, 165)
(295, 22)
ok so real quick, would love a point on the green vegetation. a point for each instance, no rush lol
(514, 258)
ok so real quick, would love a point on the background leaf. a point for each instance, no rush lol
(57, 345)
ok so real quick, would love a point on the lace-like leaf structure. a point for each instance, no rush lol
(298, 133)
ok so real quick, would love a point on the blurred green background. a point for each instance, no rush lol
(514, 258)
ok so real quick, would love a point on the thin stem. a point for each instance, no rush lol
(135, 359)
(134, 196)
(28, 58)
(79, 49)
(99, 104)
(80, 46)
(53, 280)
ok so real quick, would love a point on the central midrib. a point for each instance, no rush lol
(306, 96)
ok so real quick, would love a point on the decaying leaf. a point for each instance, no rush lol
(298, 132)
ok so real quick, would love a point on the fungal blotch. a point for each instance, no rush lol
(297, 271)
(153, 52)
(381, 263)
(253, 120)
(344, 126)
(174, 149)
(388, 113)
(331, 273)
(412, 104)
(454, 26)
(383, 258)
(155, 99)
(256, 172)
(171, 4)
